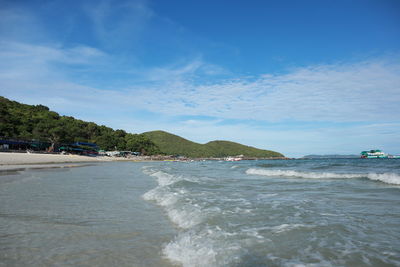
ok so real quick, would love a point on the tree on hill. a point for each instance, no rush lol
(27, 122)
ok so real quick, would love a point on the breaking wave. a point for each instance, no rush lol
(175, 200)
(209, 246)
(388, 178)
(198, 243)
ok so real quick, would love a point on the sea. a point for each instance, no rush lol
(311, 212)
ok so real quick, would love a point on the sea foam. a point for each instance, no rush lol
(389, 178)
(209, 246)
(175, 200)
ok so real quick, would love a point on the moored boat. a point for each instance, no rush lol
(233, 159)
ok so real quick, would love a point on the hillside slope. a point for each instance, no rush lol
(171, 144)
(175, 145)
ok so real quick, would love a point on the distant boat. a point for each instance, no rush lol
(233, 159)
(374, 154)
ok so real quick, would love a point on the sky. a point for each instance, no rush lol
(298, 77)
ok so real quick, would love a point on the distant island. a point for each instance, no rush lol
(334, 156)
(42, 129)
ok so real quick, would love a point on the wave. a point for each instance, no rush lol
(174, 200)
(388, 178)
(197, 248)
(199, 243)
(210, 246)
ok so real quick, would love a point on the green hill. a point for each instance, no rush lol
(175, 145)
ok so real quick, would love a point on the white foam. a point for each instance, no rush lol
(175, 201)
(188, 252)
(389, 178)
(291, 173)
(277, 229)
(180, 212)
(148, 170)
(185, 217)
(164, 178)
(207, 247)
(287, 227)
(162, 196)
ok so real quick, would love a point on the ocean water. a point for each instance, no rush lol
(338, 212)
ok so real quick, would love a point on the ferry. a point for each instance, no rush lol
(374, 154)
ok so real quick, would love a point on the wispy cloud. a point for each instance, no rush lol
(32, 63)
(184, 71)
(361, 91)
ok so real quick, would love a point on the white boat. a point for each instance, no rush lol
(233, 159)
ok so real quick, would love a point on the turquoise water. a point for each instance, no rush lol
(249, 213)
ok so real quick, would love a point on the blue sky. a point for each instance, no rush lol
(298, 77)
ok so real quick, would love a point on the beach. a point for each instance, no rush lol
(12, 160)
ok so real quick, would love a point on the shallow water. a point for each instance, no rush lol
(87, 216)
(249, 213)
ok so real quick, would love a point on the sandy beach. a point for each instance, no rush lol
(9, 161)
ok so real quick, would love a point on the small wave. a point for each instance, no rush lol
(280, 228)
(271, 165)
(149, 170)
(175, 200)
(389, 178)
(162, 196)
(311, 175)
(287, 227)
(183, 214)
(210, 246)
(164, 178)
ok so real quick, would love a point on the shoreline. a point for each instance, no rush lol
(10, 161)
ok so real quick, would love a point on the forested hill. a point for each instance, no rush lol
(27, 122)
(176, 145)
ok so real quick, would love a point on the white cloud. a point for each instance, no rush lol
(363, 91)
(183, 71)
(29, 61)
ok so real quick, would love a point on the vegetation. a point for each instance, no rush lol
(27, 122)
(175, 145)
